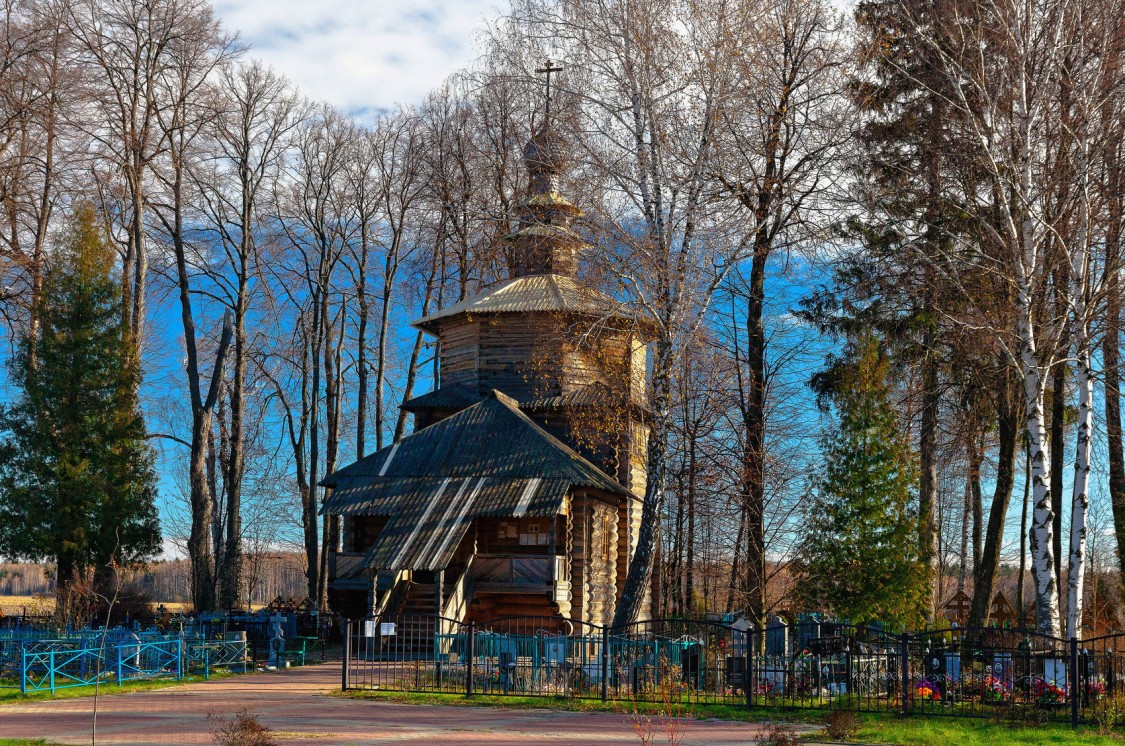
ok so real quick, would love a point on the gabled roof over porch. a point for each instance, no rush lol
(487, 460)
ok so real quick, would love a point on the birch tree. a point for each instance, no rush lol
(1000, 67)
(649, 84)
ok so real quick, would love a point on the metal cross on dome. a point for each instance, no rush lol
(549, 68)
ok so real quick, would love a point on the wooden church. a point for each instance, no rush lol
(518, 492)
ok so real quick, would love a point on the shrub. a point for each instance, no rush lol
(1110, 713)
(841, 725)
(241, 730)
(780, 735)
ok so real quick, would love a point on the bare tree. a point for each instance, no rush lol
(129, 45)
(195, 47)
(257, 110)
(779, 150)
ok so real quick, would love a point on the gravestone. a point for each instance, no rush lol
(1001, 669)
(807, 631)
(777, 637)
(1054, 672)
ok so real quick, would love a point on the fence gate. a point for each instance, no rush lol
(407, 652)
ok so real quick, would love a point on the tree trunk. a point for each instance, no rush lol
(927, 481)
(1042, 523)
(140, 264)
(1080, 499)
(390, 270)
(976, 457)
(630, 605)
(231, 571)
(202, 408)
(753, 455)
(1111, 358)
(1023, 537)
(361, 347)
(966, 515)
(1058, 454)
(1008, 421)
(689, 548)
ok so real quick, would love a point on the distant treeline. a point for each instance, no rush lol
(268, 576)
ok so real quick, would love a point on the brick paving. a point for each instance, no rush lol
(298, 706)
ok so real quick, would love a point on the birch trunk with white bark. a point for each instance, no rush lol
(1080, 499)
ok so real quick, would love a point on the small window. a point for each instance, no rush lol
(607, 538)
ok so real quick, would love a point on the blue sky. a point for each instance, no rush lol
(362, 56)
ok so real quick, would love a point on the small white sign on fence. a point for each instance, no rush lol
(387, 629)
(369, 628)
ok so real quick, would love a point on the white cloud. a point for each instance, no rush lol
(361, 56)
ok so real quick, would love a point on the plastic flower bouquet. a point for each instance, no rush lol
(927, 690)
(995, 689)
(1048, 693)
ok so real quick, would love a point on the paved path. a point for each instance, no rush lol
(297, 705)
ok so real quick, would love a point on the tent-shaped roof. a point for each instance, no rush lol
(542, 293)
(487, 460)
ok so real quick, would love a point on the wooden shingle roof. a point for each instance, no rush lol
(487, 460)
(539, 293)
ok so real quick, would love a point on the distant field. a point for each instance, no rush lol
(34, 604)
(42, 605)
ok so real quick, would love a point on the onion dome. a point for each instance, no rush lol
(546, 156)
(544, 243)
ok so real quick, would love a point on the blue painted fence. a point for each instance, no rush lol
(82, 660)
(54, 669)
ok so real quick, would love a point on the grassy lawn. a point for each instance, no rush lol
(874, 729)
(22, 742)
(12, 695)
(570, 704)
(950, 731)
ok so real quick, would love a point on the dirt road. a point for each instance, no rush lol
(297, 705)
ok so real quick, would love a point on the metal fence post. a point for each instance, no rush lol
(1072, 690)
(179, 658)
(747, 662)
(605, 663)
(206, 662)
(347, 654)
(905, 663)
(469, 662)
(23, 671)
(119, 677)
(52, 670)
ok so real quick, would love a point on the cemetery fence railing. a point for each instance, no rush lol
(961, 671)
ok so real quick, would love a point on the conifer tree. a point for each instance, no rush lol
(77, 483)
(859, 557)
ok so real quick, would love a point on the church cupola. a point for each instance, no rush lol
(545, 243)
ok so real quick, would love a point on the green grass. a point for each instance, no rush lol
(570, 704)
(954, 731)
(23, 742)
(13, 695)
(874, 728)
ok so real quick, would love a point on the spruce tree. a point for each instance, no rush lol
(77, 484)
(859, 556)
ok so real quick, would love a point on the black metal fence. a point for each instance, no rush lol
(973, 672)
